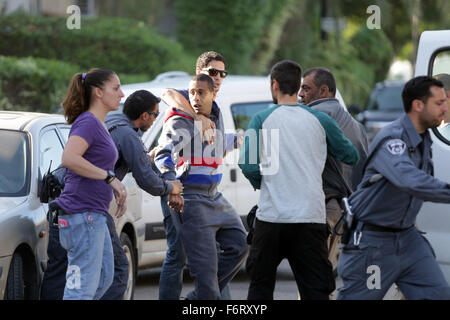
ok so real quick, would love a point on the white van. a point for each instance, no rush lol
(433, 57)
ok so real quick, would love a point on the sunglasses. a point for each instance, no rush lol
(156, 114)
(213, 72)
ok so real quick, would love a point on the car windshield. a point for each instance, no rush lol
(14, 164)
(386, 99)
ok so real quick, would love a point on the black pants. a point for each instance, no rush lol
(54, 279)
(55, 276)
(305, 247)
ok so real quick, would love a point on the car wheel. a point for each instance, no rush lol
(15, 288)
(129, 252)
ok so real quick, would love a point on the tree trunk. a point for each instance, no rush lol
(415, 29)
(323, 14)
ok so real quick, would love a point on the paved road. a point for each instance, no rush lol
(285, 288)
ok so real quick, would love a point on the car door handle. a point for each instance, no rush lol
(233, 175)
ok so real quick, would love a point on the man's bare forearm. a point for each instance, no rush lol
(175, 99)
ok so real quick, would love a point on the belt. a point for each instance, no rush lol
(371, 227)
(54, 207)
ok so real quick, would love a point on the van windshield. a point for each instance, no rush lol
(14, 164)
(386, 99)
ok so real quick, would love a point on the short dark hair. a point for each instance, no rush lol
(206, 57)
(418, 88)
(322, 76)
(288, 75)
(205, 78)
(139, 102)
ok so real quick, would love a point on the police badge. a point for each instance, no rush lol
(396, 146)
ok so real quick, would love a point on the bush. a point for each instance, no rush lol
(39, 85)
(33, 84)
(118, 44)
(354, 78)
(357, 60)
(375, 49)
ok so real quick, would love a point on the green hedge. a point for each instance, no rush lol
(39, 85)
(33, 84)
(118, 44)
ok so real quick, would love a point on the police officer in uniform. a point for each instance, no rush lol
(384, 246)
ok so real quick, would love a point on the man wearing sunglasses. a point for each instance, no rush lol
(212, 64)
(171, 279)
(207, 218)
(213, 72)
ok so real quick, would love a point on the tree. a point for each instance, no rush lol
(148, 11)
(231, 27)
(275, 19)
(373, 48)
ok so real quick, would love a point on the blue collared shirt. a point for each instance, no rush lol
(398, 177)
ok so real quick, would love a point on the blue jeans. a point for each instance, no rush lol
(171, 277)
(54, 279)
(90, 269)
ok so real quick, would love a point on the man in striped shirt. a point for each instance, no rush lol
(207, 217)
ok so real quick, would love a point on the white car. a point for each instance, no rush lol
(31, 145)
(28, 144)
(433, 57)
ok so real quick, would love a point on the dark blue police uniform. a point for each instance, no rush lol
(386, 247)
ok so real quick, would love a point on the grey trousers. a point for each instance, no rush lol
(383, 258)
(204, 222)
